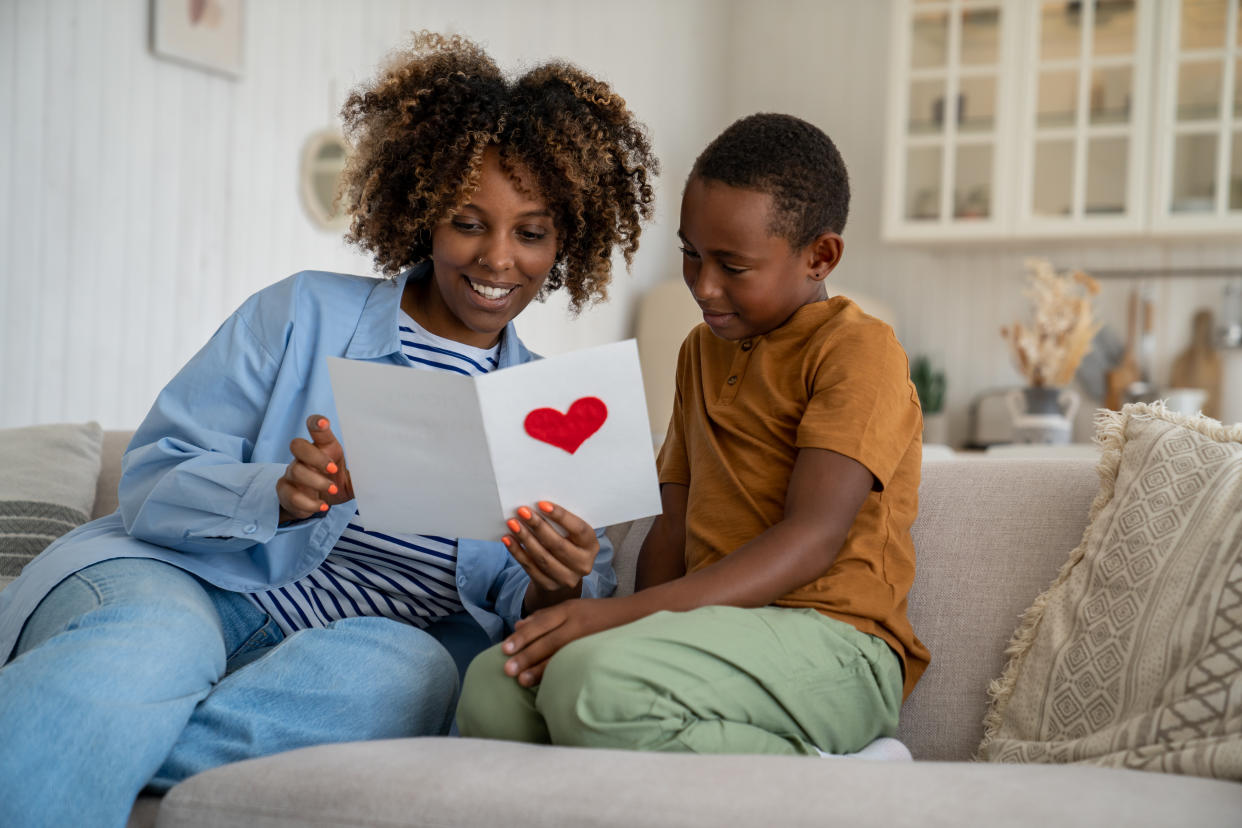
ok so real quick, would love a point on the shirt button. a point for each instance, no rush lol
(732, 380)
(251, 529)
(461, 580)
(747, 345)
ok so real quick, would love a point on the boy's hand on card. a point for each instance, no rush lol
(539, 636)
(556, 561)
(317, 477)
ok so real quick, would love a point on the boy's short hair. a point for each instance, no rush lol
(791, 160)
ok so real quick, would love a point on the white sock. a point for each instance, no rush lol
(884, 749)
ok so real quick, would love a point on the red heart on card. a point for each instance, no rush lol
(571, 429)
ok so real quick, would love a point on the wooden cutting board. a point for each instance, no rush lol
(1127, 370)
(1199, 366)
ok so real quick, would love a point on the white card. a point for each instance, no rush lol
(436, 453)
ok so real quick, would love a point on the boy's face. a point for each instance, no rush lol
(747, 279)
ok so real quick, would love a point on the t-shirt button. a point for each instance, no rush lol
(251, 529)
(747, 345)
(732, 380)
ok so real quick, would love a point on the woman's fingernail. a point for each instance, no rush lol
(545, 506)
(332, 468)
(525, 513)
(323, 507)
(505, 540)
(513, 525)
(332, 489)
(322, 423)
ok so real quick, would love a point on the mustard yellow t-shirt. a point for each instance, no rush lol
(830, 378)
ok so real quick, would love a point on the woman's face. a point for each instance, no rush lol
(490, 259)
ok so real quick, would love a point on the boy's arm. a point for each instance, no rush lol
(663, 556)
(826, 490)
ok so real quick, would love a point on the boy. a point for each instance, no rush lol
(789, 482)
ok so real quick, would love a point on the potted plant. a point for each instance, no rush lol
(930, 384)
(1048, 349)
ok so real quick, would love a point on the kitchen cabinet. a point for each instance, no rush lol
(951, 102)
(1199, 124)
(1064, 118)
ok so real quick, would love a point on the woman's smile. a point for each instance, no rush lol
(489, 259)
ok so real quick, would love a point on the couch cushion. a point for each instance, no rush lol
(990, 535)
(48, 487)
(1133, 658)
(445, 782)
(114, 444)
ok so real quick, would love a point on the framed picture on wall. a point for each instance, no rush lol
(202, 33)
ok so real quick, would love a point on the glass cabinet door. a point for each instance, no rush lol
(1085, 122)
(948, 98)
(1201, 117)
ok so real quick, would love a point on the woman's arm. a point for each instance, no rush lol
(663, 556)
(187, 482)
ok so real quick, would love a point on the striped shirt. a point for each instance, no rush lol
(410, 578)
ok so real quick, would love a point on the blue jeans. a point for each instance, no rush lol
(133, 674)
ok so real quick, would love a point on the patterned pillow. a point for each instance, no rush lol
(48, 488)
(1133, 657)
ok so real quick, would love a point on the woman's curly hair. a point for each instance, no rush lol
(419, 130)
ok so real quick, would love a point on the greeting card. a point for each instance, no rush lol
(436, 453)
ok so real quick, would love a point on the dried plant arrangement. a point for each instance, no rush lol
(1048, 349)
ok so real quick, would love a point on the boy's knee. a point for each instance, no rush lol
(492, 704)
(481, 711)
(593, 697)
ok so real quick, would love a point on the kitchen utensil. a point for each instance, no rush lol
(1147, 341)
(1199, 366)
(1106, 352)
(1231, 386)
(1127, 372)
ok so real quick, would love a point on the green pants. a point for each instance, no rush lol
(714, 680)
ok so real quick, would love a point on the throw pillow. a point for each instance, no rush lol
(1133, 657)
(48, 488)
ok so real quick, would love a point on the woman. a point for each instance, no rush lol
(236, 604)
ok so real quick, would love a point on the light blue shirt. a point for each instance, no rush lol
(198, 482)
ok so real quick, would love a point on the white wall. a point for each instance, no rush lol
(142, 200)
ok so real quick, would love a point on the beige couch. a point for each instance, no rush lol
(990, 536)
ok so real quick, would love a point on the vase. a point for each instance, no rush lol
(1042, 415)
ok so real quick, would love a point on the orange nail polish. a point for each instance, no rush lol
(323, 507)
(525, 513)
(322, 423)
(513, 525)
(332, 468)
(332, 489)
(505, 540)
(545, 506)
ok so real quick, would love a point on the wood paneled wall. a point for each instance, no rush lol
(142, 200)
